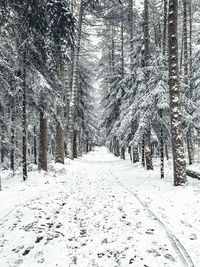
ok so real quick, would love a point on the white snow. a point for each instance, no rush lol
(99, 211)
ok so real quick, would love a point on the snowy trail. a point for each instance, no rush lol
(84, 217)
(178, 247)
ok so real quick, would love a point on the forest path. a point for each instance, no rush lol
(84, 218)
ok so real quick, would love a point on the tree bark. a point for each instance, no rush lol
(60, 153)
(130, 152)
(149, 164)
(131, 32)
(186, 7)
(12, 141)
(175, 104)
(24, 144)
(162, 172)
(112, 49)
(43, 136)
(123, 153)
(35, 146)
(143, 152)
(75, 151)
(74, 87)
(165, 27)
(122, 47)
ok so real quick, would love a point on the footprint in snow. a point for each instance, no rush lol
(169, 257)
(193, 237)
(154, 252)
(150, 231)
(17, 249)
(39, 238)
(27, 250)
(186, 224)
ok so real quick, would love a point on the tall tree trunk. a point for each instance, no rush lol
(87, 147)
(130, 152)
(75, 146)
(53, 147)
(143, 152)
(68, 95)
(175, 102)
(165, 27)
(43, 136)
(60, 153)
(24, 144)
(113, 49)
(117, 148)
(68, 90)
(186, 73)
(12, 140)
(162, 171)
(149, 164)
(79, 146)
(161, 111)
(35, 145)
(74, 86)
(166, 152)
(131, 32)
(123, 153)
(122, 47)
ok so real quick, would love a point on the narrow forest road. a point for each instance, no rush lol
(83, 216)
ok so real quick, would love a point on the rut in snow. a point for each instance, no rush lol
(178, 247)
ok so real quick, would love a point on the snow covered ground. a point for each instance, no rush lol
(99, 211)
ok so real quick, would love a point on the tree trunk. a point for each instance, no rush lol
(122, 46)
(12, 140)
(165, 27)
(131, 32)
(166, 152)
(161, 111)
(24, 144)
(53, 147)
(74, 87)
(35, 146)
(175, 104)
(60, 153)
(79, 148)
(68, 96)
(143, 152)
(190, 146)
(117, 148)
(123, 153)
(87, 147)
(112, 49)
(162, 175)
(43, 136)
(135, 154)
(148, 152)
(149, 164)
(75, 146)
(130, 152)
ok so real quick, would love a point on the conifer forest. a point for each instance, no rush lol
(99, 133)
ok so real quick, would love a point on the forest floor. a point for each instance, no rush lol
(99, 211)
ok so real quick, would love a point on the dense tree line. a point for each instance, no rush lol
(46, 91)
(148, 72)
(151, 81)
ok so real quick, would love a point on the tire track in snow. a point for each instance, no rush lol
(175, 242)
